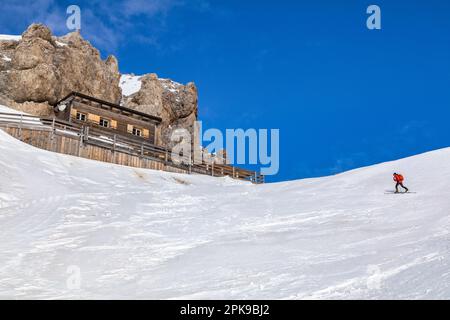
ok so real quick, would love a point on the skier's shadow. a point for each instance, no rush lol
(393, 192)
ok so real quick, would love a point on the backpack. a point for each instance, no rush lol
(400, 178)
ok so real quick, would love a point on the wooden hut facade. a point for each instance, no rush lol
(102, 115)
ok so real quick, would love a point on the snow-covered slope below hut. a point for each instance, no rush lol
(133, 233)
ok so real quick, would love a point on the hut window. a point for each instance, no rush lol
(104, 123)
(137, 132)
(81, 116)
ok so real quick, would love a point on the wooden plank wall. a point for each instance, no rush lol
(72, 146)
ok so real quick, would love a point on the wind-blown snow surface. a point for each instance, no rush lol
(146, 234)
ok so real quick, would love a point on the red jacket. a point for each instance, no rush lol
(398, 178)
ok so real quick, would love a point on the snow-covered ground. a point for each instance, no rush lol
(130, 84)
(132, 233)
(8, 37)
(10, 116)
(170, 85)
(4, 109)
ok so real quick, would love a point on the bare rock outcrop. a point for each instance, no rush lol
(175, 103)
(40, 69)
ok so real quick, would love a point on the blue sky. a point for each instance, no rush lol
(342, 96)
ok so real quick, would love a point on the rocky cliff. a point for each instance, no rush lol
(38, 69)
(175, 103)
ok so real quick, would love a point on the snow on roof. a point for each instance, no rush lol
(130, 84)
(5, 37)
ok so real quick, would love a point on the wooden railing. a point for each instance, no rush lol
(87, 135)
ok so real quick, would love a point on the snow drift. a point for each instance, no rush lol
(146, 234)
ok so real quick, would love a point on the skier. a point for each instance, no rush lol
(398, 178)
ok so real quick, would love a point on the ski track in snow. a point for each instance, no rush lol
(146, 234)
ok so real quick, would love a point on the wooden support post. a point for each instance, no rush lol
(212, 168)
(20, 127)
(234, 172)
(113, 158)
(80, 141)
(70, 111)
(79, 146)
(52, 136)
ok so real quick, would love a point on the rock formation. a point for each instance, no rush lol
(175, 103)
(39, 69)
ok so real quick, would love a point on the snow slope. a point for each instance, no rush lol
(145, 234)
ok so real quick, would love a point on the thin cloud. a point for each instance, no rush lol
(133, 8)
(14, 14)
(106, 24)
